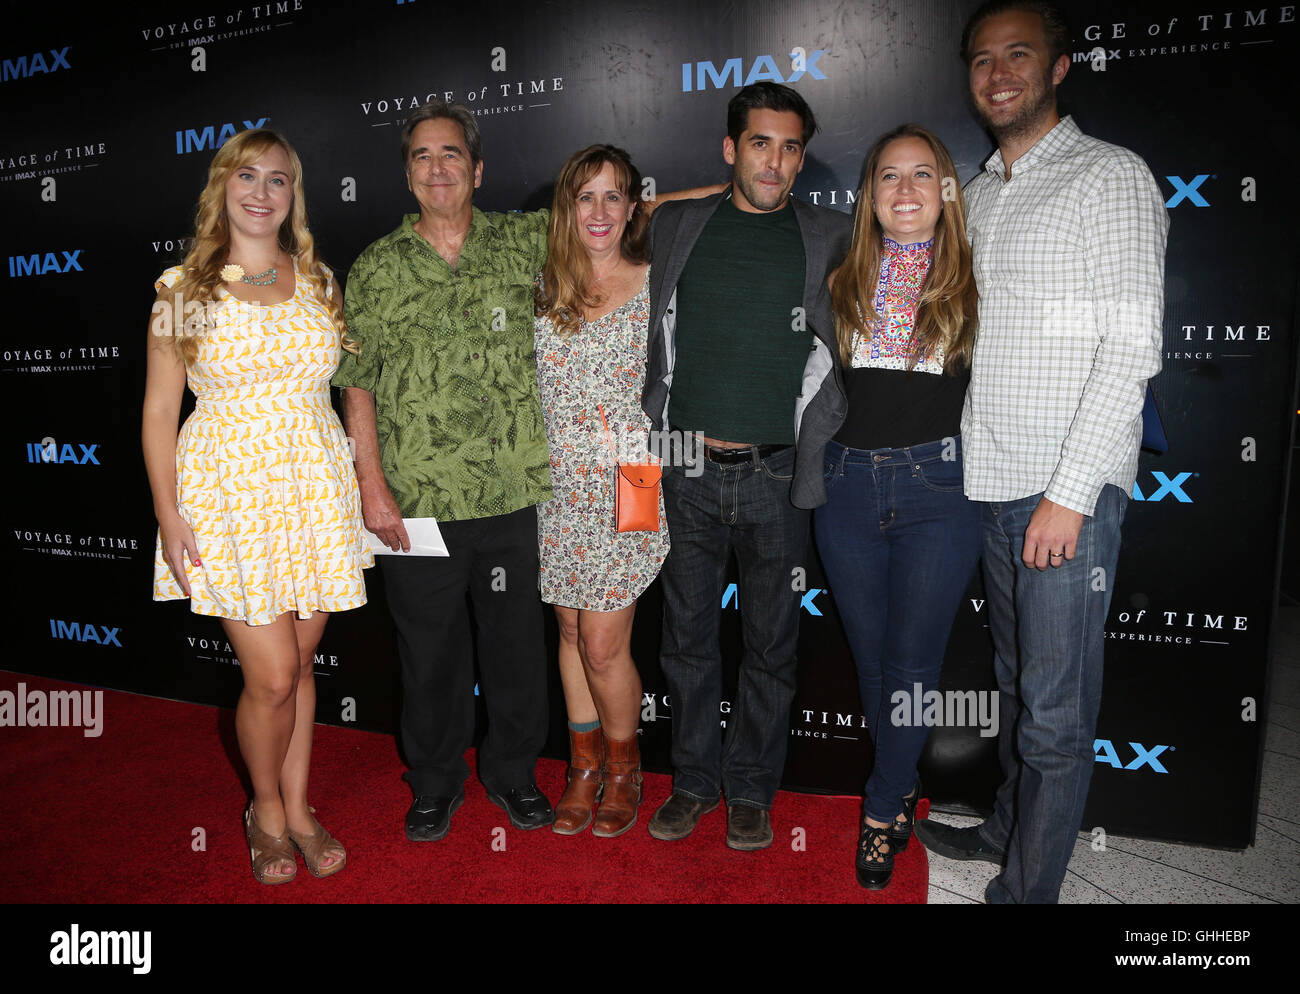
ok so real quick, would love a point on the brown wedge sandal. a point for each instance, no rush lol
(265, 849)
(313, 849)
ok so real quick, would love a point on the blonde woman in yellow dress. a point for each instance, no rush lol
(259, 520)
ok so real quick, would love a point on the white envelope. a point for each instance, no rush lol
(426, 539)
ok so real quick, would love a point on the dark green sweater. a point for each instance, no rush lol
(741, 345)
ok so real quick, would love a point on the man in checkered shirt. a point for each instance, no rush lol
(1068, 237)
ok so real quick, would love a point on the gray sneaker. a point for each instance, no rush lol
(956, 843)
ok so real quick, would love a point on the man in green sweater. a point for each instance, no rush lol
(741, 350)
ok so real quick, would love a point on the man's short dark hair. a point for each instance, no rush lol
(1056, 27)
(434, 110)
(768, 96)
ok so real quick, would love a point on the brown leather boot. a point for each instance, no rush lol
(586, 761)
(622, 788)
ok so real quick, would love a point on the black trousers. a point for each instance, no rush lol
(494, 561)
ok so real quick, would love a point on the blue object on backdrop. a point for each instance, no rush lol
(1153, 429)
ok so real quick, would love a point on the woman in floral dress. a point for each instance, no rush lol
(593, 308)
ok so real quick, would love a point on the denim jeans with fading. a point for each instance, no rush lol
(743, 507)
(1048, 632)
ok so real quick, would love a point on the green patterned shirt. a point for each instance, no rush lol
(448, 354)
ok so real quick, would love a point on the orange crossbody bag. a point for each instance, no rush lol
(636, 490)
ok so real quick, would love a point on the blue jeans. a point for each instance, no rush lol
(899, 541)
(1048, 632)
(745, 507)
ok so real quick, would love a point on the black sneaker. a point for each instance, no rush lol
(429, 817)
(957, 843)
(527, 806)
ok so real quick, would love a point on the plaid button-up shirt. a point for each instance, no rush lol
(1069, 258)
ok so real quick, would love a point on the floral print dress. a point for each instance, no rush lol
(584, 562)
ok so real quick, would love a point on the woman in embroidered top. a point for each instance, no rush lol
(897, 536)
(593, 311)
(259, 521)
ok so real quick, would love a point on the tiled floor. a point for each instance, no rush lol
(1132, 871)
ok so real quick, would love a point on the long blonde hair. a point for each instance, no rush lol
(565, 288)
(201, 269)
(948, 306)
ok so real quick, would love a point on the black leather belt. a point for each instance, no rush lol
(750, 453)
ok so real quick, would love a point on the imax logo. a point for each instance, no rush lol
(1104, 752)
(702, 75)
(43, 265)
(212, 137)
(731, 598)
(99, 634)
(22, 67)
(1171, 488)
(1187, 191)
(49, 451)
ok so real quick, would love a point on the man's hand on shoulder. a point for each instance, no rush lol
(1052, 529)
(676, 196)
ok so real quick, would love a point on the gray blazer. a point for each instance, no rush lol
(820, 407)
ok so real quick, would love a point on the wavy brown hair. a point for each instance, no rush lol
(947, 308)
(209, 251)
(565, 288)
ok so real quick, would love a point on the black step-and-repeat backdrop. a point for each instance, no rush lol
(112, 117)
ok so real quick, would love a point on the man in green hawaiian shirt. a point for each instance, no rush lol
(443, 409)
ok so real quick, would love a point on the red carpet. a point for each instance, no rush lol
(113, 819)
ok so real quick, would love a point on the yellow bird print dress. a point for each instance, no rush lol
(264, 476)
